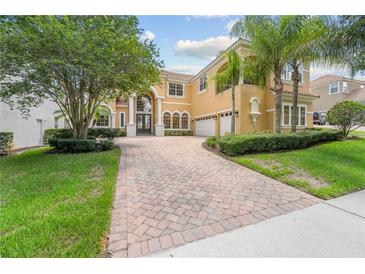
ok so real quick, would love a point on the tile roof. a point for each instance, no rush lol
(177, 76)
(328, 78)
(305, 93)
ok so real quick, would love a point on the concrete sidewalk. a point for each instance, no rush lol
(334, 228)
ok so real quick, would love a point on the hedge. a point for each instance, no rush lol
(80, 145)
(6, 142)
(241, 144)
(65, 133)
(178, 132)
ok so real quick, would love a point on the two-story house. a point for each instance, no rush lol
(192, 102)
(333, 89)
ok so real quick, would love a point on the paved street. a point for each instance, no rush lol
(171, 192)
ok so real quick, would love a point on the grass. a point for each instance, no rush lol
(339, 164)
(56, 205)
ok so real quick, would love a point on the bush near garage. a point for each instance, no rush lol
(93, 133)
(178, 133)
(212, 141)
(241, 144)
(6, 142)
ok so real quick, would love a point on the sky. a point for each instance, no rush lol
(189, 43)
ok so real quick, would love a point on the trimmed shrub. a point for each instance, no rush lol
(178, 132)
(6, 142)
(109, 133)
(73, 145)
(104, 145)
(93, 133)
(212, 141)
(58, 133)
(241, 144)
(346, 116)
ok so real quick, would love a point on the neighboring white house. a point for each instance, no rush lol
(29, 132)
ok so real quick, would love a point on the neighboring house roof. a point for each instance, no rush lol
(356, 95)
(176, 76)
(329, 78)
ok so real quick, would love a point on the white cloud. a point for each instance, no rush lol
(188, 18)
(188, 69)
(230, 24)
(148, 35)
(206, 49)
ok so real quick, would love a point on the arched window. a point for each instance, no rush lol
(255, 105)
(144, 103)
(167, 120)
(175, 120)
(184, 121)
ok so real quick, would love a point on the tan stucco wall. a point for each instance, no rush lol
(209, 102)
(326, 100)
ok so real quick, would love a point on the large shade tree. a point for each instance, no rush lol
(76, 61)
(270, 44)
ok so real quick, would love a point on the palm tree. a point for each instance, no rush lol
(305, 35)
(229, 76)
(269, 42)
(345, 41)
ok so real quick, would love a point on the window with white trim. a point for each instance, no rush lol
(167, 120)
(345, 87)
(334, 88)
(102, 121)
(175, 121)
(203, 82)
(122, 119)
(184, 121)
(286, 73)
(176, 89)
(288, 115)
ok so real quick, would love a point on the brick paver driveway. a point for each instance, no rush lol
(171, 191)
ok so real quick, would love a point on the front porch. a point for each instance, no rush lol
(145, 114)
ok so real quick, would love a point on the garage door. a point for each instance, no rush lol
(205, 127)
(225, 123)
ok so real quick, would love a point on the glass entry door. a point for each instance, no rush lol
(143, 123)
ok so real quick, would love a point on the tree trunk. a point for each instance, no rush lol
(294, 116)
(233, 120)
(278, 88)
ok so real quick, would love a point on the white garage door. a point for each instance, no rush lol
(225, 123)
(205, 127)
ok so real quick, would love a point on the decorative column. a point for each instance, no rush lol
(159, 128)
(131, 126)
(113, 119)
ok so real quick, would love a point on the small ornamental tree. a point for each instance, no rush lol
(347, 116)
(78, 62)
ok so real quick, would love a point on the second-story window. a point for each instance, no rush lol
(203, 82)
(287, 71)
(176, 89)
(334, 88)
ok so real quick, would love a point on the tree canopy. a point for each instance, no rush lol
(75, 61)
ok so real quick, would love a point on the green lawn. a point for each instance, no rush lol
(339, 164)
(56, 205)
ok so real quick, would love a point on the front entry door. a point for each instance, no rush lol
(143, 123)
